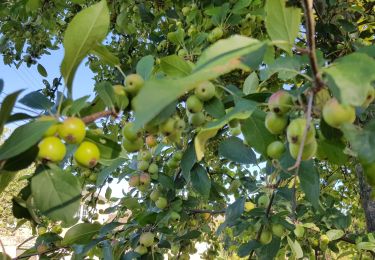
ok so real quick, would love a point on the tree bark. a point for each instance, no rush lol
(367, 203)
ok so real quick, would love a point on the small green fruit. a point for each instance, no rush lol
(141, 250)
(154, 196)
(263, 201)
(295, 131)
(205, 91)
(168, 127)
(280, 102)
(52, 149)
(72, 130)
(336, 114)
(197, 119)
(275, 124)
(133, 84)
(147, 239)
(180, 124)
(134, 181)
(265, 237)
(324, 239)
(278, 230)
(153, 168)
(275, 150)
(52, 130)
(309, 150)
(129, 132)
(144, 179)
(87, 154)
(142, 165)
(132, 146)
(144, 155)
(161, 203)
(194, 104)
(121, 98)
(249, 206)
(174, 216)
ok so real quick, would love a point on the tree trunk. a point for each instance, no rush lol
(367, 204)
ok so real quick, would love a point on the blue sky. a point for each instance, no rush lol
(31, 80)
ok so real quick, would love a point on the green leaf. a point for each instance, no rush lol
(251, 84)
(7, 107)
(188, 160)
(296, 248)
(215, 108)
(220, 58)
(333, 150)
(81, 233)
(270, 250)
(36, 100)
(351, 84)
(335, 234)
(104, 90)
(200, 180)
(42, 71)
(145, 66)
(87, 28)
(175, 66)
(362, 141)
(240, 6)
(104, 173)
(366, 246)
(78, 105)
(23, 138)
(32, 5)
(286, 67)
(282, 23)
(255, 133)
(177, 37)
(21, 161)
(57, 194)
(246, 248)
(5, 178)
(234, 149)
(309, 179)
(105, 55)
(189, 235)
(242, 110)
(234, 211)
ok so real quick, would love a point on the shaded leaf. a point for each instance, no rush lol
(309, 179)
(81, 233)
(200, 180)
(175, 66)
(145, 66)
(7, 107)
(36, 100)
(105, 55)
(235, 150)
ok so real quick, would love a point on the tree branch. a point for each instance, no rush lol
(92, 118)
(310, 36)
(212, 212)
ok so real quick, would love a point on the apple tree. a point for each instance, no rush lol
(247, 125)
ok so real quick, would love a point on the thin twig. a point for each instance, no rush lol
(310, 36)
(92, 118)
(212, 212)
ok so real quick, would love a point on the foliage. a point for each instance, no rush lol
(189, 98)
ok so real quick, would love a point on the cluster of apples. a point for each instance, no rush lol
(73, 131)
(204, 92)
(146, 240)
(280, 103)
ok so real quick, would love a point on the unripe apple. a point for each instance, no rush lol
(151, 141)
(153, 168)
(147, 239)
(205, 91)
(324, 239)
(121, 98)
(185, 10)
(265, 237)
(275, 124)
(129, 132)
(215, 34)
(144, 155)
(72, 130)
(197, 119)
(309, 150)
(144, 179)
(295, 131)
(133, 84)
(177, 156)
(141, 250)
(280, 102)
(278, 230)
(336, 114)
(42, 230)
(56, 229)
(87, 154)
(134, 181)
(132, 146)
(369, 98)
(263, 201)
(52, 130)
(299, 231)
(52, 149)
(234, 185)
(154, 196)
(172, 164)
(168, 127)
(179, 124)
(275, 149)
(194, 104)
(249, 206)
(161, 203)
(142, 165)
(174, 216)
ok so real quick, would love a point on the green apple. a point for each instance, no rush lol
(280, 102)
(336, 114)
(278, 230)
(205, 91)
(133, 84)
(265, 237)
(299, 231)
(161, 203)
(263, 201)
(154, 196)
(147, 239)
(153, 168)
(275, 124)
(275, 149)
(129, 132)
(296, 129)
(309, 150)
(142, 165)
(132, 146)
(141, 250)
(174, 216)
(194, 104)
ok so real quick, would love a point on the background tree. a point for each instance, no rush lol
(255, 112)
